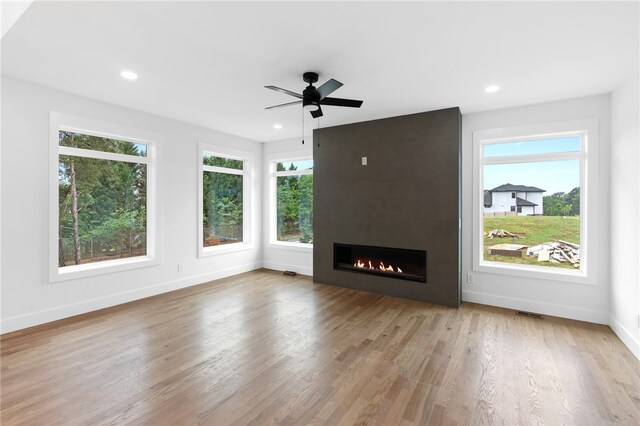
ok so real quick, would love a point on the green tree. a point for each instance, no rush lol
(573, 198)
(561, 204)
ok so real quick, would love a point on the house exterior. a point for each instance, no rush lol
(519, 200)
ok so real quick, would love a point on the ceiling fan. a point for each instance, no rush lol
(313, 97)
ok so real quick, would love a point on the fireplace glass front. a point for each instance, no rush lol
(388, 262)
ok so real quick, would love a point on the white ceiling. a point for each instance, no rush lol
(206, 63)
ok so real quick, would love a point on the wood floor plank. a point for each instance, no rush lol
(265, 349)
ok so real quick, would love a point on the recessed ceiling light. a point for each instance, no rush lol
(492, 89)
(129, 75)
(277, 126)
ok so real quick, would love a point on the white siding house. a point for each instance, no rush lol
(515, 199)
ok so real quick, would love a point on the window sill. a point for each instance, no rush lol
(308, 248)
(223, 249)
(535, 272)
(99, 268)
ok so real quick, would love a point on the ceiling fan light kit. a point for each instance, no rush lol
(310, 105)
(312, 98)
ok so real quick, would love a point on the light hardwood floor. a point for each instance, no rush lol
(262, 348)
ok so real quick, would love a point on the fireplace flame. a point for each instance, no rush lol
(360, 264)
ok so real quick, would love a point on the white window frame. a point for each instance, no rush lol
(66, 122)
(273, 202)
(587, 129)
(247, 164)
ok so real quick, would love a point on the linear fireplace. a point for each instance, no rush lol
(397, 263)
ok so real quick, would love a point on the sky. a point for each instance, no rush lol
(552, 176)
(300, 164)
(540, 146)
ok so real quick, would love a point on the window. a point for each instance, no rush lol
(531, 192)
(102, 203)
(292, 202)
(224, 200)
(222, 187)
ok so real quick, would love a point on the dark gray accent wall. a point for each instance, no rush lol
(407, 196)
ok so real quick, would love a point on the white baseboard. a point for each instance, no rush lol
(42, 317)
(629, 340)
(563, 311)
(302, 270)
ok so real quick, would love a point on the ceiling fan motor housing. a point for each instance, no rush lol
(310, 93)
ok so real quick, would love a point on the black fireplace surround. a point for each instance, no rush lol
(393, 182)
(403, 264)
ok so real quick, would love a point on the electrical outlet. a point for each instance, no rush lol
(180, 267)
(470, 278)
(364, 161)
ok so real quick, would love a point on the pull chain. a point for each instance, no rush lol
(302, 109)
(318, 133)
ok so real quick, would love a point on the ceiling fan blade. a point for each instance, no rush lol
(341, 102)
(285, 91)
(284, 105)
(317, 113)
(327, 88)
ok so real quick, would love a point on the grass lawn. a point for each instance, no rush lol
(532, 230)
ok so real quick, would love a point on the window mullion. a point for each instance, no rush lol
(294, 173)
(556, 156)
(225, 170)
(101, 155)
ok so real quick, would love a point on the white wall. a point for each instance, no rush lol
(579, 301)
(625, 213)
(280, 257)
(11, 11)
(28, 298)
(534, 197)
(501, 201)
(527, 211)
